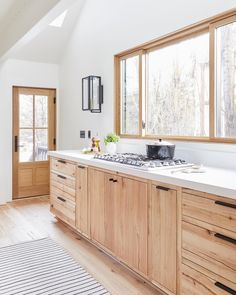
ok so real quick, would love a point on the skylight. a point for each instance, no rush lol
(58, 22)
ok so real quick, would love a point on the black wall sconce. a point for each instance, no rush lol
(92, 94)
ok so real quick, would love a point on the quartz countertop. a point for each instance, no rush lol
(214, 180)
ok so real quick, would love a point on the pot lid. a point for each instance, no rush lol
(161, 142)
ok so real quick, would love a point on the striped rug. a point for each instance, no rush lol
(43, 267)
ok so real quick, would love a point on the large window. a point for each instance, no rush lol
(182, 86)
(226, 80)
(178, 89)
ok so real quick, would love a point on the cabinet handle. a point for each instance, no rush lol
(225, 204)
(111, 179)
(115, 180)
(163, 188)
(60, 176)
(225, 288)
(61, 199)
(225, 238)
(81, 167)
(61, 161)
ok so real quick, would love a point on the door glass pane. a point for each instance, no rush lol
(178, 89)
(130, 95)
(26, 111)
(41, 111)
(41, 144)
(26, 145)
(226, 81)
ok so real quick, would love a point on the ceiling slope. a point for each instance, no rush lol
(21, 19)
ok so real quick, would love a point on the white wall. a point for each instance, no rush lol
(106, 27)
(19, 73)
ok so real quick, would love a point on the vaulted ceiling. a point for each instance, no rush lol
(25, 32)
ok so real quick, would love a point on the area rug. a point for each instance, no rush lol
(43, 267)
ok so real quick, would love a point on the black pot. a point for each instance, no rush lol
(160, 150)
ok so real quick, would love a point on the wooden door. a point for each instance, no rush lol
(33, 135)
(82, 200)
(132, 224)
(162, 237)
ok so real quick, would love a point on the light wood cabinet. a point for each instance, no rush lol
(62, 190)
(105, 190)
(162, 256)
(82, 201)
(132, 224)
(208, 243)
(97, 205)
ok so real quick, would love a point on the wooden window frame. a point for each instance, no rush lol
(206, 26)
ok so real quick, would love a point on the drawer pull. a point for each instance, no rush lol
(225, 238)
(225, 204)
(61, 199)
(61, 161)
(60, 176)
(163, 188)
(111, 179)
(81, 167)
(115, 180)
(225, 288)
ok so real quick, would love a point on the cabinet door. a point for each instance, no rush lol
(162, 237)
(82, 200)
(97, 205)
(112, 193)
(132, 224)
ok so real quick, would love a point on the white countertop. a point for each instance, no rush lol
(217, 181)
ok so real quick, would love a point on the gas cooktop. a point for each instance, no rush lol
(142, 162)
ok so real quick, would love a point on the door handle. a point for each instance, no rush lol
(16, 144)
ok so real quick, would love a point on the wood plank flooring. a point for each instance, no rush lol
(30, 219)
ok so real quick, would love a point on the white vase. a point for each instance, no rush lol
(111, 148)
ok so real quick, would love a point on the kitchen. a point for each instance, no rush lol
(142, 154)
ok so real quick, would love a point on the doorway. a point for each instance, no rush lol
(34, 134)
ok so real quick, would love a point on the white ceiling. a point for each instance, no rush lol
(49, 44)
(9, 9)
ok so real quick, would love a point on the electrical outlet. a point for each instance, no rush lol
(82, 133)
(89, 133)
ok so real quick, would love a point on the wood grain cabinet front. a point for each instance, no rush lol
(197, 283)
(82, 201)
(208, 243)
(162, 255)
(63, 166)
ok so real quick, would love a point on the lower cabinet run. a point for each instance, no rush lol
(182, 241)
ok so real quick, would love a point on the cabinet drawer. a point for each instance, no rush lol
(211, 209)
(63, 209)
(216, 248)
(63, 166)
(62, 180)
(63, 192)
(196, 283)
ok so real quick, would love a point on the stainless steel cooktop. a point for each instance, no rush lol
(142, 162)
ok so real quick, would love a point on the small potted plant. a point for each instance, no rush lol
(110, 141)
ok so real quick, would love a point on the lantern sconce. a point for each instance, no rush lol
(92, 94)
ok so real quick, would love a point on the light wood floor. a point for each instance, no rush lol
(30, 219)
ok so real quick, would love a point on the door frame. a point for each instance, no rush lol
(15, 128)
